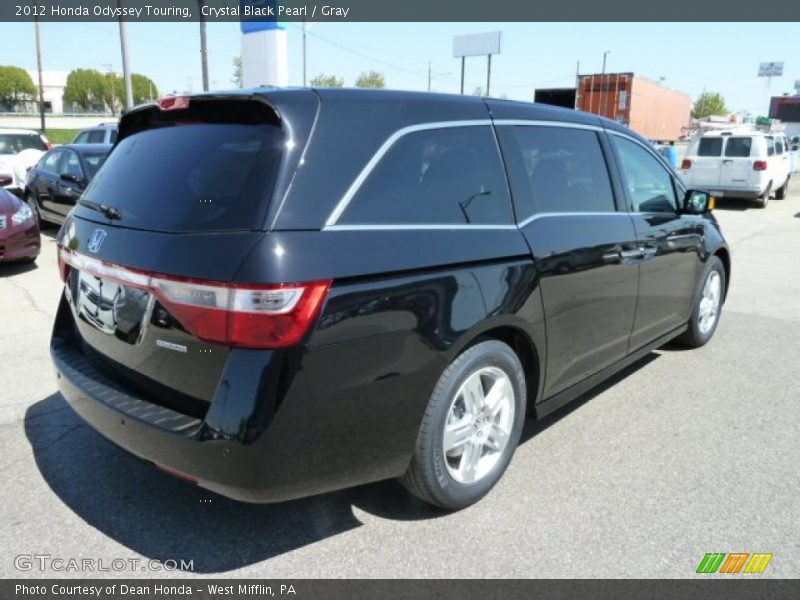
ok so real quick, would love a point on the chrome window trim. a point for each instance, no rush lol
(539, 123)
(419, 227)
(542, 215)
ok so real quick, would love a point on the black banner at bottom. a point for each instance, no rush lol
(400, 589)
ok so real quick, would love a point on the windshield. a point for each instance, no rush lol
(190, 177)
(14, 143)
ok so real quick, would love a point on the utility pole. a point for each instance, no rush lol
(462, 74)
(110, 68)
(304, 53)
(429, 76)
(577, 83)
(203, 45)
(126, 73)
(604, 87)
(39, 68)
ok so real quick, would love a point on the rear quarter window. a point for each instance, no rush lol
(710, 146)
(447, 176)
(190, 177)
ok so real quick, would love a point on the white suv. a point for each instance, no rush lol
(739, 164)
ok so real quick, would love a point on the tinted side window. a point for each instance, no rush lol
(440, 176)
(649, 183)
(50, 161)
(778, 146)
(710, 147)
(770, 146)
(71, 165)
(565, 169)
(82, 138)
(113, 137)
(738, 147)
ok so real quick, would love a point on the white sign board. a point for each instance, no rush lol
(770, 69)
(476, 44)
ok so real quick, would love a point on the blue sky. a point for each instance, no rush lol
(720, 57)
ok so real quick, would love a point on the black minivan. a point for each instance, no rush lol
(277, 293)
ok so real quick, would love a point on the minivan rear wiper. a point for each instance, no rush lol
(110, 212)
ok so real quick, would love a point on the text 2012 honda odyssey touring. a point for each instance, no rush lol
(275, 293)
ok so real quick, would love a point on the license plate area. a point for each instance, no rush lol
(110, 307)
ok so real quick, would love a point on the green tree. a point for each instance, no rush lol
(143, 88)
(237, 79)
(85, 88)
(709, 103)
(323, 80)
(16, 86)
(373, 79)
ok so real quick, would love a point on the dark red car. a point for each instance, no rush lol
(19, 231)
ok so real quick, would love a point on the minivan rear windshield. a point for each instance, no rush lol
(710, 147)
(189, 176)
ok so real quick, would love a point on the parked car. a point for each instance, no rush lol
(300, 319)
(19, 150)
(60, 177)
(745, 164)
(105, 133)
(19, 232)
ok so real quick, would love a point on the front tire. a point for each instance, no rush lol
(471, 427)
(707, 306)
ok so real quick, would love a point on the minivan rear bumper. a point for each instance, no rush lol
(311, 443)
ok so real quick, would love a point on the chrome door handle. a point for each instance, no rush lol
(635, 253)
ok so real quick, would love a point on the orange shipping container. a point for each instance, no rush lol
(655, 111)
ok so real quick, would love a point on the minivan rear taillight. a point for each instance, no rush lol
(760, 165)
(234, 314)
(686, 164)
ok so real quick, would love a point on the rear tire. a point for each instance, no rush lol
(708, 302)
(763, 199)
(782, 191)
(471, 427)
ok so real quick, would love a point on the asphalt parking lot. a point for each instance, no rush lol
(684, 453)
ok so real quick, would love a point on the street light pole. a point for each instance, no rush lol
(126, 73)
(604, 87)
(39, 68)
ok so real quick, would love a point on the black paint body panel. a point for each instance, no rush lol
(344, 406)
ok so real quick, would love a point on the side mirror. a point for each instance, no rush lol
(71, 178)
(697, 202)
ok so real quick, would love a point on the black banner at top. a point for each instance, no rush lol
(399, 10)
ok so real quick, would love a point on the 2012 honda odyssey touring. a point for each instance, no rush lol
(276, 293)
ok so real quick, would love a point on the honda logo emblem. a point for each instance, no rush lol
(98, 235)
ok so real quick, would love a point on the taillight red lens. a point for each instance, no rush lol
(243, 315)
(686, 164)
(760, 165)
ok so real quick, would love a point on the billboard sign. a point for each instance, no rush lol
(476, 44)
(770, 69)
